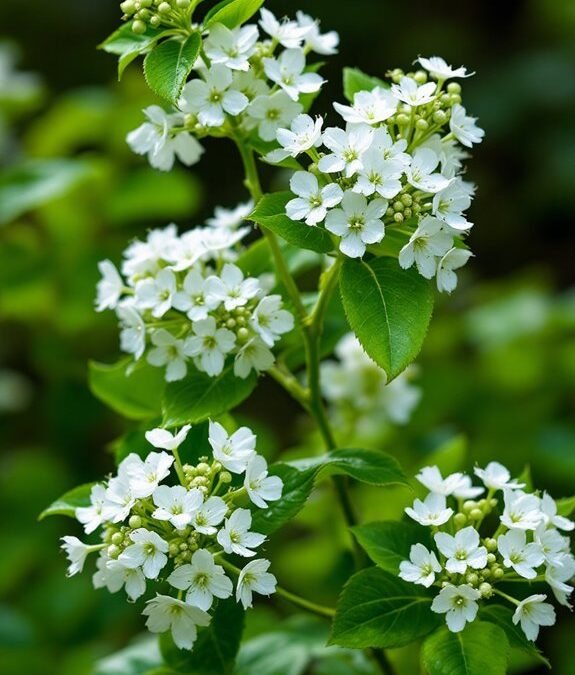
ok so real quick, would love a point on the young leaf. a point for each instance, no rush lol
(388, 308)
(232, 13)
(128, 45)
(565, 506)
(199, 396)
(387, 543)
(168, 65)
(136, 396)
(67, 504)
(270, 213)
(377, 609)
(479, 649)
(355, 80)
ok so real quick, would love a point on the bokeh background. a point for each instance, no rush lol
(497, 374)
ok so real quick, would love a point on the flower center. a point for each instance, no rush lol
(356, 223)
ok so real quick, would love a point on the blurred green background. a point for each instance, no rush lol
(497, 373)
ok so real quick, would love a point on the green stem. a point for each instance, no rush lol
(290, 383)
(179, 467)
(380, 657)
(507, 597)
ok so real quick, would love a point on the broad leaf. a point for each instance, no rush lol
(387, 543)
(128, 45)
(142, 658)
(199, 396)
(232, 13)
(135, 396)
(388, 308)
(565, 506)
(377, 609)
(479, 649)
(168, 65)
(355, 80)
(67, 504)
(270, 213)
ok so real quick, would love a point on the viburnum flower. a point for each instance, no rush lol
(369, 107)
(459, 605)
(288, 33)
(522, 511)
(77, 552)
(557, 574)
(119, 499)
(111, 574)
(431, 478)
(177, 505)
(158, 293)
(231, 288)
(146, 475)
(421, 174)
(288, 72)
(303, 134)
(110, 287)
(261, 487)
(421, 567)
(235, 537)
(551, 543)
(433, 510)
(532, 613)
(210, 514)
(378, 174)
(254, 355)
(230, 219)
(454, 259)
(249, 84)
(92, 516)
(143, 257)
(148, 552)
(425, 246)
(211, 99)
(497, 477)
(133, 329)
(449, 204)
(346, 147)
(232, 48)
(408, 91)
(270, 321)
(166, 440)
(462, 550)
(312, 202)
(357, 222)
(168, 351)
(389, 149)
(464, 128)
(550, 515)
(202, 579)
(255, 578)
(192, 298)
(273, 112)
(440, 70)
(315, 41)
(170, 614)
(210, 345)
(520, 555)
(233, 451)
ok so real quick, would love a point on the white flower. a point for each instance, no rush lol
(168, 351)
(76, 552)
(261, 487)
(346, 147)
(288, 72)
(231, 219)
(210, 514)
(254, 355)
(255, 578)
(431, 511)
(459, 605)
(166, 613)
(211, 99)
(549, 511)
(303, 134)
(143, 257)
(249, 84)
(454, 484)
(188, 250)
(210, 345)
(421, 172)
(324, 44)
(234, 451)
(202, 579)
(424, 246)
(440, 70)
(218, 243)
(193, 299)
(231, 288)
(552, 544)
(421, 567)
(133, 330)
(288, 33)
(119, 499)
(235, 537)
(273, 112)
(111, 574)
(176, 504)
(157, 294)
(449, 204)
(378, 174)
(452, 260)
(390, 150)
(408, 91)
(462, 550)
(270, 321)
(357, 222)
(522, 511)
(92, 516)
(532, 613)
(145, 476)
(156, 139)
(312, 202)
(148, 552)
(520, 555)
(464, 128)
(496, 477)
(557, 574)
(369, 107)
(232, 48)
(110, 286)
(166, 440)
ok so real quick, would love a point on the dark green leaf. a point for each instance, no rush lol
(168, 65)
(388, 308)
(377, 609)
(128, 45)
(232, 13)
(355, 80)
(67, 504)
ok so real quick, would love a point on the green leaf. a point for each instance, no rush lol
(128, 45)
(355, 80)
(136, 396)
(270, 213)
(299, 477)
(387, 543)
(565, 506)
(168, 65)
(199, 396)
(479, 649)
(216, 646)
(388, 308)
(232, 13)
(141, 658)
(377, 609)
(67, 504)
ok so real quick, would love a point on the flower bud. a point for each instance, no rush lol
(491, 558)
(454, 88)
(183, 546)
(469, 505)
(216, 466)
(420, 77)
(173, 549)
(459, 519)
(128, 7)
(226, 477)
(402, 119)
(187, 556)
(422, 124)
(407, 213)
(138, 27)
(454, 98)
(231, 324)
(135, 522)
(155, 21)
(113, 551)
(439, 117)
(485, 574)
(117, 538)
(200, 481)
(398, 217)
(243, 334)
(476, 514)
(164, 8)
(398, 205)
(407, 199)
(182, 4)
(472, 579)
(490, 544)
(498, 573)
(486, 590)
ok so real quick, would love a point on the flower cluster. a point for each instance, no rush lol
(246, 87)
(175, 529)
(521, 541)
(396, 164)
(172, 14)
(361, 400)
(181, 298)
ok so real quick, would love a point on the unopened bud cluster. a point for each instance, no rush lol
(156, 13)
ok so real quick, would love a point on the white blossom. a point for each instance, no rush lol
(432, 511)
(347, 148)
(408, 91)
(497, 477)
(209, 515)
(369, 107)
(449, 204)
(261, 487)
(550, 515)
(421, 567)
(232, 48)
(202, 579)
(464, 128)
(143, 257)
(119, 499)
(273, 112)
(421, 174)
(558, 574)
(209, 345)
(157, 294)
(76, 552)
(235, 536)
(288, 72)
(320, 43)
(170, 614)
(133, 330)
(462, 550)
(459, 605)
(312, 202)
(92, 516)
(440, 70)
(520, 555)
(111, 574)
(193, 299)
(230, 219)
(231, 288)
(428, 243)
(232, 451)
(270, 321)
(457, 484)
(522, 511)
(147, 552)
(176, 505)
(145, 476)
(168, 351)
(378, 175)
(532, 613)
(166, 440)
(288, 33)
(110, 287)
(254, 355)
(357, 222)
(303, 134)
(454, 259)
(255, 578)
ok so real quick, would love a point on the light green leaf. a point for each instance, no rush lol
(232, 13)
(479, 649)
(388, 308)
(355, 80)
(135, 396)
(377, 609)
(387, 543)
(67, 504)
(128, 45)
(199, 396)
(168, 65)
(270, 213)
(565, 506)
(141, 658)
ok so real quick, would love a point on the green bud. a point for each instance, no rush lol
(226, 477)
(486, 573)
(454, 88)
(407, 213)
(243, 334)
(182, 4)
(231, 324)
(144, 15)
(173, 549)
(138, 27)
(445, 99)
(398, 206)
(216, 466)
(402, 119)
(493, 502)
(117, 538)
(113, 551)
(203, 469)
(187, 556)
(491, 558)
(183, 546)
(128, 7)
(482, 503)
(164, 8)
(389, 213)
(486, 590)
(398, 217)
(439, 117)
(155, 21)
(420, 77)
(407, 199)
(200, 481)
(135, 522)
(476, 514)
(416, 208)
(396, 75)
(445, 583)
(203, 489)
(472, 579)
(490, 544)
(469, 505)
(498, 573)
(454, 98)
(241, 321)
(459, 519)
(422, 124)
